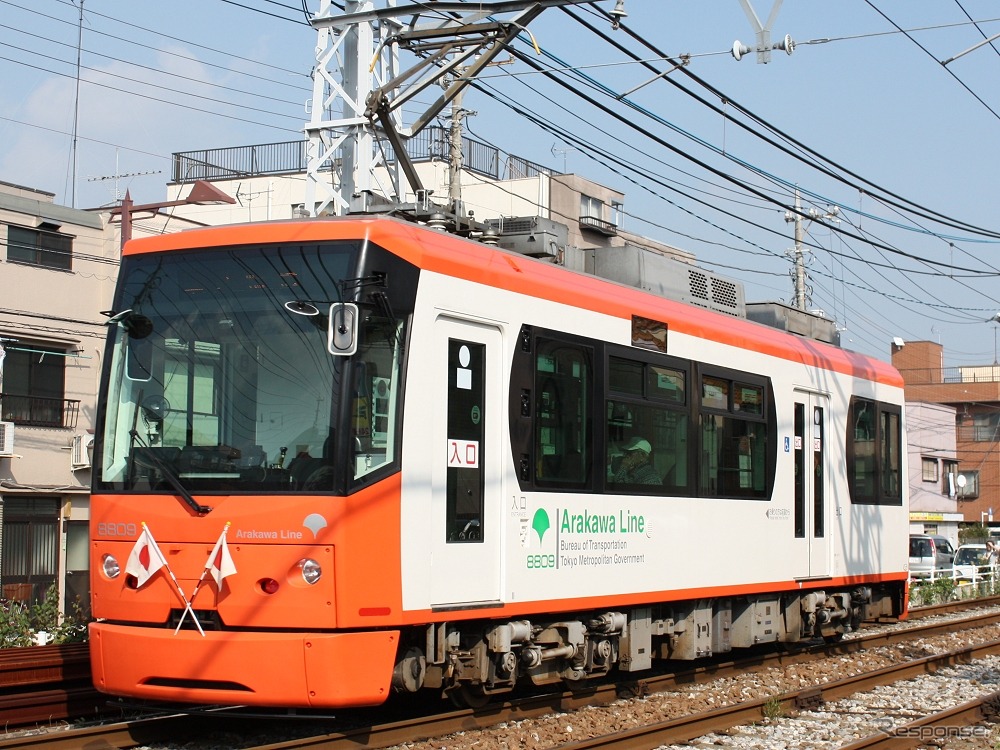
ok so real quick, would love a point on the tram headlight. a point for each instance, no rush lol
(111, 567)
(311, 570)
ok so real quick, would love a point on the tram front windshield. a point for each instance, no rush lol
(220, 376)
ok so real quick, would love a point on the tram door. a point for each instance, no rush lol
(811, 512)
(466, 475)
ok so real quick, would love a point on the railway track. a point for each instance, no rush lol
(687, 728)
(937, 726)
(411, 729)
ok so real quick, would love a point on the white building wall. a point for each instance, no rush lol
(931, 434)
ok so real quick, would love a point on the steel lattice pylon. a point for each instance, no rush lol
(356, 151)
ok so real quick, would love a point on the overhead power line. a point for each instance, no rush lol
(730, 101)
(630, 123)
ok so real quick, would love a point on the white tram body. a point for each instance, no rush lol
(500, 543)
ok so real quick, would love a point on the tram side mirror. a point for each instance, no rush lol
(139, 351)
(342, 331)
(139, 360)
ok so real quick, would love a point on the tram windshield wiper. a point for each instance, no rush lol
(166, 471)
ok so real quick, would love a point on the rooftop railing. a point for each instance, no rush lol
(961, 374)
(289, 157)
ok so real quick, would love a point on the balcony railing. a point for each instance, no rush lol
(593, 224)
(36, 411)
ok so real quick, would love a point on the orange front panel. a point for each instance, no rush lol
(241, 603)
(367, 540)
(281, 669)
(357, 544)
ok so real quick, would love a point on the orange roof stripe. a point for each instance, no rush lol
(452, 256)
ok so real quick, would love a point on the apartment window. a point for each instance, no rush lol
(44, 246)
(617, 213)
(30, 558)
(949, 472)
(930, 469)
(967, 483)
(985, 427)
(591, 207)
(34, 383)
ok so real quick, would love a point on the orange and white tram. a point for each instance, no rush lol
(340, 458)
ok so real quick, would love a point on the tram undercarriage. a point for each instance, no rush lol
(471, 661)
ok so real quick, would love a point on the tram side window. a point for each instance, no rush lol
(890, 455)
(874, 452)
(734, 437)
(375, 395)
(647, 428)
(563, 388)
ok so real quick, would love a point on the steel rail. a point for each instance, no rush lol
(677, 730)
(687, 728)
(934, 728)
(959, 605)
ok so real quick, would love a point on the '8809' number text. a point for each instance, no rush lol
(118, 529)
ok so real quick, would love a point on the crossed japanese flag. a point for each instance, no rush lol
(146, 559)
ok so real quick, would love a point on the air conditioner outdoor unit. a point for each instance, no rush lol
(6, 438)
(80, 458)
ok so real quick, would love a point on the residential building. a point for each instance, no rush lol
(58, 268)
(268, 183)
(933, 470)
(973, 391)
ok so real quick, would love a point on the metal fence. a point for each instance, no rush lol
(961, 374)
(240, 161)
(290, 157)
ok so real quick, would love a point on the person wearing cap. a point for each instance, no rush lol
(637, 465)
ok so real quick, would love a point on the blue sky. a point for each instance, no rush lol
(909, 144)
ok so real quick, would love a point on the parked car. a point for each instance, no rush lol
(925, 559)
(944, 551)
(973, 563)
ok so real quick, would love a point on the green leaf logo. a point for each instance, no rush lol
(540, 523)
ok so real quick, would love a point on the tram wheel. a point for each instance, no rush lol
(468, 696)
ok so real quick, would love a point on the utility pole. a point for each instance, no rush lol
(455, 155)
(76, 106)
(455, 160)
(801, 297)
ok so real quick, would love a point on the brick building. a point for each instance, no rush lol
(974, 392)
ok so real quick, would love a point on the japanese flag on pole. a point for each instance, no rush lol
(145, 558)
(220, 563)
